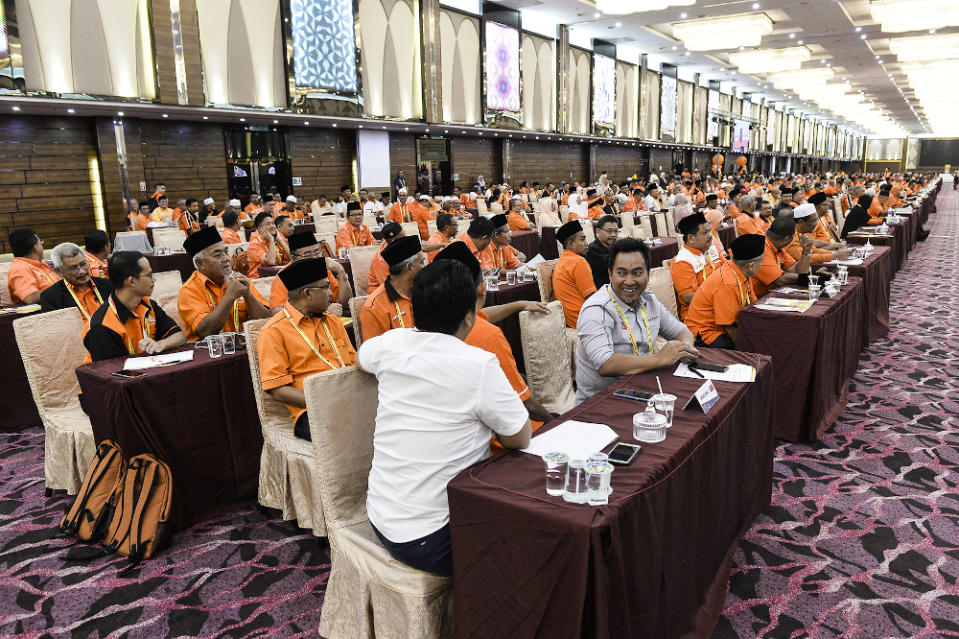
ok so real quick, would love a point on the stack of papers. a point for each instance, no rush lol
(579, 440)
(782, 304)
(27, 308)
(152, 361)
(734, 373)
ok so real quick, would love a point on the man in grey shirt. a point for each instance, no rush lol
(618, 326)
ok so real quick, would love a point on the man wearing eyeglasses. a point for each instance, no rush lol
(597, 253)
(499, 254)
(305, 246)
(77, 289)
(129, 322)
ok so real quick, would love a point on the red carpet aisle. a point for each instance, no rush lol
(862, 538)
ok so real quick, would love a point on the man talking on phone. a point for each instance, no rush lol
(619, 326)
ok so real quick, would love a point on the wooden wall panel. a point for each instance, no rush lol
(403, 157)
(323, 158)
(620, 162)
(189, 157)
(45, 178)
(473, 157)
(549, 162)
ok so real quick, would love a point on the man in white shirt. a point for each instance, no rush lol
(651, 201)
(421, 442)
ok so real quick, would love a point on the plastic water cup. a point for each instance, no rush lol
(215, 344)
(598, 475)
(600, 458)
(575, 488)
(814, 291)
(649, 426)
(814, 279)
(343, 253)
(229, 343)
(492, 282)
(510, 278)
(842, 274)
(528, 276)
(556, 464)
(664, 404)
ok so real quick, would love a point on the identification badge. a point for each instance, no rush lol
(704, 398)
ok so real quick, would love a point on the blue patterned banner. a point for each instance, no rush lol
(324, 48)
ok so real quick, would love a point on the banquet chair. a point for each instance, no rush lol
(369, 593)
(330, 239)
(166, 282)
(132, 241)
(735, 230)
(671, 230)
(431, 227)
(661, 285)
(411, 229)
(645, 229)
(50, 364)
(356, 303)
(564, 213)
(171, 238)
(628, 222)
(544, 277)
(481, 207)
(549, 374)
(496, 208)
(263, 285)
(288, 481)
(840, 217)
(326, 224)
(170, 304)
(4, 289)
(661, 229)
(233, 249)
(589, 232)
(360, 259)
(369, 220)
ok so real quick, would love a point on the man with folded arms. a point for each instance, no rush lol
(619, 326)
(428, 442)
(130, 323)
(389, 306)
(572, 277)
(354, 232)
(696, 260)
(306, 246)
(499, 254)
(214, 299)
(303, 338)
(29, 275)
(779, 268)
(806, 222)
(77, 289)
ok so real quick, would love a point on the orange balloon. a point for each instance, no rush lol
(741, 160)
(718, 158)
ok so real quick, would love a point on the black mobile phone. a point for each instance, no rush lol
(635, 395)
(623, 454)
(129, 374)
(715, 368)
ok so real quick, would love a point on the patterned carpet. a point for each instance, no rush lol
(862, 539)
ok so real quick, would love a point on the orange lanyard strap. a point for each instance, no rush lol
(80, 305)
(236, 308)
(316, 350)
(143, 328)
(632, 338)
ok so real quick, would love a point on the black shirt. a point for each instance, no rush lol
(855, 219)
(105, 343)
(58, 296)
(597, 254)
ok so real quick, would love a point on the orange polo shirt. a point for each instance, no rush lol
(437, 238)
(572, 284)
(632, 204)
(746, 224)
(466, 239)
(518, 222)
(89, 298)
(141, 221)
(502, 257)
(280, 296)
(794, 250)
(379, 269)
(875, 209)
(187, 221)
(400, 213)
(349, 236)
(27, 277)
(384, 310)
(286, 359)
(774, 263)
(595, 211)
(717, 303)
(252, 210)
(230, 237)
(199, 296)
(98, 267)
(421, 216)
(687, 280)
(257, 249)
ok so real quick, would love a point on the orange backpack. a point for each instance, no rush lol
(88, 516)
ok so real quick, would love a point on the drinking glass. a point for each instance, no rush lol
(598, 475)
(575, 488)
(813, 280)
(229, 343)
(843, 275)
(510, 278)
(649, 426)
(601, 458)
(664, 404)
(215, 344)
(529, 276)
(343, 252)
(492, 282)
(556, 464)
(814, 291)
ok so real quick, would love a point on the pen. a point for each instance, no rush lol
(695, 371)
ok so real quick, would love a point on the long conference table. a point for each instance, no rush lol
(17, 409)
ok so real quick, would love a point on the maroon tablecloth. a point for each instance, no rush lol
(199, 417)
(17, 410)
(268, 271)
(654, 562)
(727, 235)
(526, 242)
(890, 240)
(814, 353)
(665, 251)
(307, 227)
(548, 247)
(173, 262)
(510, 325)
(876, 273)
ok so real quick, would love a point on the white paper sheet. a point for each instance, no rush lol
(735, 373)
(152, 361)
(850, 262)
(577, 439)
(783, 304)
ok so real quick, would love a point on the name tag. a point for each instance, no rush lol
(704, 398)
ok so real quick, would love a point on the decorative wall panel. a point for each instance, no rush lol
(649, 109)
(627, 93)
(460, 44)
(684, 108)
(884, 149)
(390, 47)
(539, 83)
(604, 91)
(97, 47)
(667, 108)
(700, 116)
(912, 154)
(324, 45)
(502, 68)
(579, 90)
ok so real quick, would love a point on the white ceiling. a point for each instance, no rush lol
(827, 27)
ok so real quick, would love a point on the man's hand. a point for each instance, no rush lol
(806, 242)
(269, 239)
(335, 309)
(236, 286)
(534, 307)
(335, 267)
(842, 253)
(675, 350)
(149, 346)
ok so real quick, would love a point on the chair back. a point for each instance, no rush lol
(533, 198)
(481, 207)
(544, 277)
(588, 231)
(549, 370)
(51, 346)
(670, 225)
(661, 285)
(735, 229)
(4, 287)
(166, 282)
(171, 238)
(132, 241)
(330, 240)
(360, 259)
(217, 222)
(496, 208)
(327, 224)
(411, 228)
(263, 285)
(461, 227)
(840, 217)
(661, 230)
(645, 228)
(356, 303)
(170, 303)
(233, 249)
(342, 430)
(431, 227)
(628, 220)
(272, 412)
(369, 220)
(564, 213)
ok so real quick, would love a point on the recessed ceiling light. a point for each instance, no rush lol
(307, 123)
(687, 53)
(71, 111)
(406, 128)
(675, 47)
(359, 126)
(684, 15)
(276, 121)
(120, 113)
(800, 42)
(242, 119)
(932, 32)
(166, 115)
(755, 5)
(206, 117)
(15, 108)
(862, 37)
(596, 15)
(792, 35)
(858, 29)
(619, 24)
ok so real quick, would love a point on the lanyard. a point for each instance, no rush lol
(399, 315)
(44, 275)
(82, 308)
(316, 350)
(632, 338)
(143, 328)
(743, 297)
(356, 240)
(236, 309)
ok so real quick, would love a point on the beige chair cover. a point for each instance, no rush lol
(589, 232)
(50, 364)
(288, 481)
(481, 206)
(169, 302)
(166, 282)
(548, 369)
(645, 229)
(661, 229)
(172, 238)
(369, 220)
(431, 227)
(4, 288)
(564, 213)
(670, 226)
(840, 216)
(661, 285)
(628, 222)
(356, 303)
(411, 228)
(132, 241)
(369, 593)
(360, 259)
(327, 224)
(233, 249)
(496, 208)
(263, 285)
(544, 277)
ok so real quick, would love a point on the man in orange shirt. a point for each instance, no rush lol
(422, 215)
(749, 222)
(264, 248)
(715, 307)
(806, 222)
(129, 322)
(29, 275)
(400, 212)
(826, 230)
(572, 277)
(379, 269)
(142, 219)
(634, 202)
(778, 267)
(214, 299)
(478, 236)
(188, 220)
(96, 245)
(594, 204)
(255, 206)
(446, 229)
(305, 246)
(162, 210)
(696, 260)
(517, 219)
(389, 306)
(499, 254)
(302, 339)
(354, 232)
(77, 289)
(231, 227)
